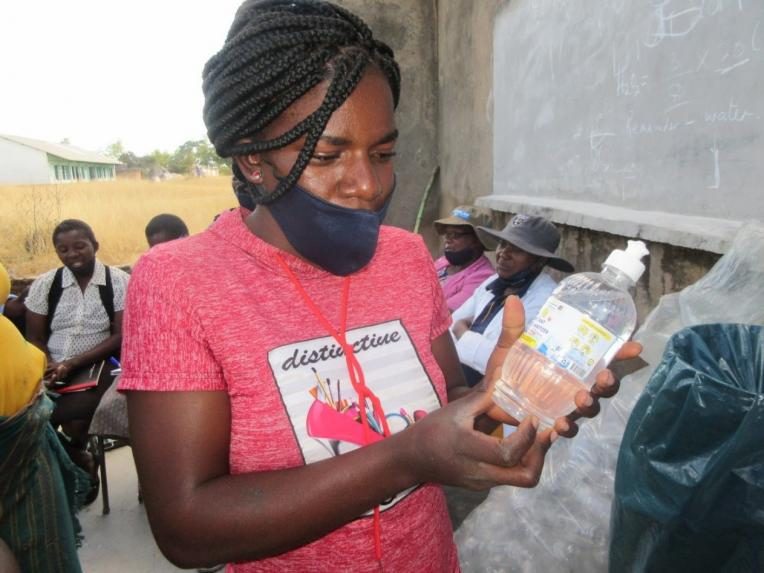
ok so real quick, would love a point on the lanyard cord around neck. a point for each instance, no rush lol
(355, 372)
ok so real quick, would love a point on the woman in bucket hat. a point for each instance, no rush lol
(463, 265)
(523, 248)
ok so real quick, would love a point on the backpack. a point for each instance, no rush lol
(106, 292)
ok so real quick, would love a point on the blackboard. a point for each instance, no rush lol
(645, 104)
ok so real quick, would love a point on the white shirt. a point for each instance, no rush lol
(80, 322)
(475, 349)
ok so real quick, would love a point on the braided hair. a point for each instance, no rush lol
(275, 52)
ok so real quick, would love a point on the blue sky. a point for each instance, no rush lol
(96, 71)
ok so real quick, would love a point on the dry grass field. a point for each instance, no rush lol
(117, 210)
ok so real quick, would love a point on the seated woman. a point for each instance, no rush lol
(463, 265)
(40, 488)
(523, 248)
(74, 315)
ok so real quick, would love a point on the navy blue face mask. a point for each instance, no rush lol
(337, 239)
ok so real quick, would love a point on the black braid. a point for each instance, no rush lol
(275, 52)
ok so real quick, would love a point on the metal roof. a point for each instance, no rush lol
(63, 151)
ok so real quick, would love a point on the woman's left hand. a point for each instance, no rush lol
(587, 403)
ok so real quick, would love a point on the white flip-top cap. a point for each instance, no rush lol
(628, 261)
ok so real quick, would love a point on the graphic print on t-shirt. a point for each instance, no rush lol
(321, 403)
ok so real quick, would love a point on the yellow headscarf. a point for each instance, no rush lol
(22, 365)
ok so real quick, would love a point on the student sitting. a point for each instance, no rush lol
(74, 315)
(165, 227)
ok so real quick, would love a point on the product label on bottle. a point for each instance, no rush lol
(568, 337)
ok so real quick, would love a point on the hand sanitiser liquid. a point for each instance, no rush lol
(588, 317)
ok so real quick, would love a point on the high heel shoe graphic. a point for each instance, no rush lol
(323, 421)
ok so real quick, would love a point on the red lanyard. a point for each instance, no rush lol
(355, 372)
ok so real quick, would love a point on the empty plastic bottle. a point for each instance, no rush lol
(579, 329)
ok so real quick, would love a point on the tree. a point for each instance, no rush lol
(184, 158)
(116, 149)
(129, 159)
(161, 158)
(206, 154)
(194, 153)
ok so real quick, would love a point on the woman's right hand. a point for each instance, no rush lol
(57, 371)
(445, 448)
(50, 372)
(460, 327)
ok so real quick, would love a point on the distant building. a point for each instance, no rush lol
(25, 161)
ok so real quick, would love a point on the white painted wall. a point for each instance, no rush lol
(22, 165)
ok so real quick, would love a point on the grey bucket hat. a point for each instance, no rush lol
(534, 235)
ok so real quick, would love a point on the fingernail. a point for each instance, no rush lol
(535, 422)
(589, 400)
(553, 437)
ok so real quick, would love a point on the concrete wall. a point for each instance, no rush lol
(22, 165)
(465, 56)
(604, 125)
(669, 268)
(678, 258)
(408, 27)
(446, 116)
(640, 105)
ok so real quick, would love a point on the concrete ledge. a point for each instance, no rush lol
(702, 233)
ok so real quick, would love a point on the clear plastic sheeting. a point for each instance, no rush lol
(563, 524)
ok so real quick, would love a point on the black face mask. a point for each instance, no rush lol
(461, 258)
(519, 282)
(337, 239)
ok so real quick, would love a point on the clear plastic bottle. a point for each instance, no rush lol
(585, 321)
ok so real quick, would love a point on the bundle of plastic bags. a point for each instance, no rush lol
(564, 523)
(689, 484)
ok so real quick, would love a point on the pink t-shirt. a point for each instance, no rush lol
(217, 312)
(458, 287)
